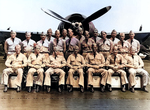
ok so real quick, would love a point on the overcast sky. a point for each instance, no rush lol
(26, 15)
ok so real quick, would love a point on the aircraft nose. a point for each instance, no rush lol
(108, 8)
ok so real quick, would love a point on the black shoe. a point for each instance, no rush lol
(110, 89)
(81, 89)
(29, 90)
(18, 89)
(132, 90)
(123, 89)
(71, 89)
(92, 89)
(59, 89)
(5, 89)
(48, 89)
(144, 89)
(37, 88)
(103, 89)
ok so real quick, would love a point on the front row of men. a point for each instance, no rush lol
(95, 62)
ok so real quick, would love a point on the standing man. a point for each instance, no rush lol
(86, 45)
(59, 44)
(55, 63)
(64, 35)
(95, 62)
(113, 37)
(76, 63)
(122, 44)
(135, 45)
(80, 35)
(71, 42)
(28, 44)
(115, 62)
(137, 69)
(14, 63)
(105, 45)
(95, 37)
(49, 35)
(36, 62)
(10, 43)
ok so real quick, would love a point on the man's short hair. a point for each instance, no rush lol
(114, 31)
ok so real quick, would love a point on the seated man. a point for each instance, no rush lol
(76, 63)
(15, 63)
(95, 61)
(115, 63)
(137, 69)
(55, 63)
(36, 64)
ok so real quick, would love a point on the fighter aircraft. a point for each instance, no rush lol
(77, 21)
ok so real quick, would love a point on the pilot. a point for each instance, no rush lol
(76, 63)
(104, 45)
(28, 44)
(86, 45)
(59, 44)
(36, 62)
(113, 37)
(80, 35)
(122, 44)
(138, 65)
(95, 37)
(135, 45)
(10, 43)
(115, 63)
(72, 41)
(43, 43)
(64, 35)
(55, 63)
(15, 63)
(95, 62)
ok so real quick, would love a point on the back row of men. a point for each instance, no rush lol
(95, 61)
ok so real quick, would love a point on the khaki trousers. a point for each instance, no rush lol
(139, 71)
(30, 78)
(121, 72)
(70, 77)
(51, 71)
(103, 72)
(8, 71)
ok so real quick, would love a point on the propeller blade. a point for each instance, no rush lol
(55, 15)
(96, 14)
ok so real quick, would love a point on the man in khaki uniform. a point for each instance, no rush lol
(64, 35)
(95, 62)
(55, 63)
(104, 45)
(115, 62)
(86, 45)
(122, 44)
(96, 38)
(15, 63)
(76, 63)
(59, 44)
(137, 69)
(80, 35)
(36, 62)
(113, 37)
(135, 45)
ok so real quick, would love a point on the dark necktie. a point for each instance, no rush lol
(122, 43)
(133, 56)
(36, 55)
(27, 42)
(131, 42)
(113, 39)
(114, 58)
(13, 39)
(104, 41)
(16, 56)
(42, 42)
(57, 41)
(69, 40)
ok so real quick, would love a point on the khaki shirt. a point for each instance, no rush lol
(58, 61)
(97, 39)
(44, 46)
(61, 46)
(127, 60)
(80, 39)
(104, 46)
(115, 40)
(33, 60)
(87, 46)
(26, 44)
(97, 60)
(126, 46)
(111, 63)
(78, 61)
(20, 61)
(135, 45)
(137, 61)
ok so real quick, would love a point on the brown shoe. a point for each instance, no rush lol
(144, 89)
(71, 89)
(132, 90)
(81, 89)
(123, 89)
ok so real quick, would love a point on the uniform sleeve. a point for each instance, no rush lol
(29, 61)
(83, 61)
(63, 63)
(24, 61)
(43, 61)
(138, 46)
(6, 47)
(69, 61)
(8, 62)
(103, 60)
(141, 63)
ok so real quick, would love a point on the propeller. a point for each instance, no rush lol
(96, 14)
(55, 15)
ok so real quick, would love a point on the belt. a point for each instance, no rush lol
(11, 51)
(44, 52)
(104, 50)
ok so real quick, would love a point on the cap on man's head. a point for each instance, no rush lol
(131, 32)
(13, 32)
(28, 33)
(95, 30)
(114, 31)
(43, 34)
